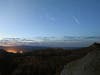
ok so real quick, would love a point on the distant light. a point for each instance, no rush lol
(21, 51)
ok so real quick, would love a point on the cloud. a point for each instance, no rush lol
(76, 20)
(50, 41)
(16, 41)
(93, 37)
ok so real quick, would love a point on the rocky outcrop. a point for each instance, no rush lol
(88, 65)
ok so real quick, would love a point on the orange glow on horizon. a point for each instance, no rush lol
(12, 51)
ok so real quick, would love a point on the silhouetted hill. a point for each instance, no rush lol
(89, 65)
(2, 51)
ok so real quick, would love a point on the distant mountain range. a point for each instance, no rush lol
(23, 48)
(31, 48)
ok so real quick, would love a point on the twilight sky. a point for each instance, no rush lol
(51, 21)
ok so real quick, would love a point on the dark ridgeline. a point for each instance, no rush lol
(48, 61)
(88, 65)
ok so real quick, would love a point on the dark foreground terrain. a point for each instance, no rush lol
(48, 61)
(88, 65)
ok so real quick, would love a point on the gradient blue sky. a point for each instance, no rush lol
(33, 18)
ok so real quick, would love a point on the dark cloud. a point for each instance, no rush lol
(92, 37)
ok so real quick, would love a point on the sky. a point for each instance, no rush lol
(50, 21)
